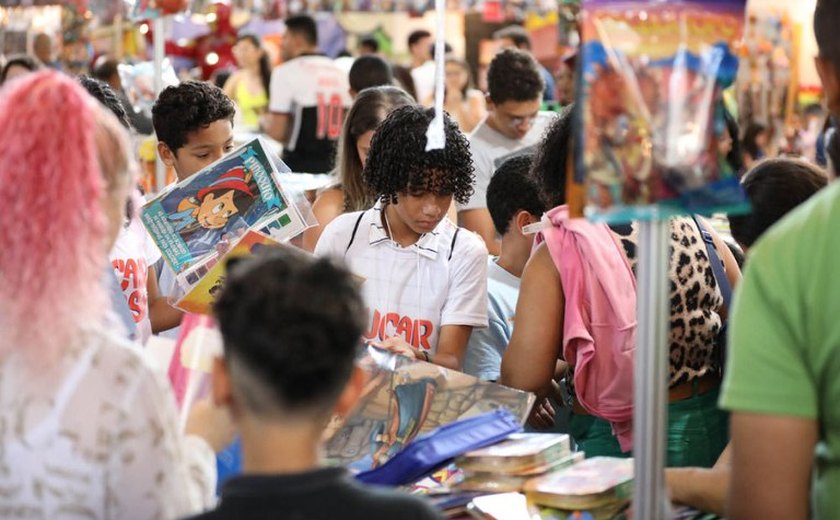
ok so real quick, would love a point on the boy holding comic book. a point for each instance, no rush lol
(194, 126)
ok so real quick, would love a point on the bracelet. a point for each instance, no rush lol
(425, 356)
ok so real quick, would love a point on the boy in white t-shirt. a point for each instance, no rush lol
(513, 199)
(194, 126)
(425, 279)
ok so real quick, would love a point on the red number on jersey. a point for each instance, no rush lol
(330, 117)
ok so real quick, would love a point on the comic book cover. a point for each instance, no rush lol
(205, 289)
(404, 398)
(220, 203)
(650, 112)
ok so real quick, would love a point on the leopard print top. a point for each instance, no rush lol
(695, 299)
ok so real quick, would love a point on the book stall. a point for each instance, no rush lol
(651, 78)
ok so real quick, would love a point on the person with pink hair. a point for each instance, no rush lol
(89, 428)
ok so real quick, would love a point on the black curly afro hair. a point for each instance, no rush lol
(187, 107)
(549, 166)
(399, 163)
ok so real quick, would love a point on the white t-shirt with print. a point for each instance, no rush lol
(412, 291)
(132, 255)
(490, 149)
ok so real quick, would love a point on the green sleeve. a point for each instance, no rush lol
(767, 369)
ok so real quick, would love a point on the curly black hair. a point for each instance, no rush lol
(106, 95)
(185, 108)
(514, 75)
(549, 168)
(511, 190)
(399, 163)
(290, 323)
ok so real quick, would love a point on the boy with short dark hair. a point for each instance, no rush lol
(513, 123)
(369, 71)
(308, 97)
(194, 126)
(291, 324)
(425, 280)
(514, 202)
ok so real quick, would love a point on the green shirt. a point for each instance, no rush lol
(784, 350)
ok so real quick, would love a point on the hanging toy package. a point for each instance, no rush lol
(651, 79)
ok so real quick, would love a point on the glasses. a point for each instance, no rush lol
(515, 121)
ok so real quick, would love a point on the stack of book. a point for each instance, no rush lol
(508, 465)
(600, 486)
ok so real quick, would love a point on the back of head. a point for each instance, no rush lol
(515, 33)
(399, 163)
(369, 44)
(304, 26)
(514, 75)
(20, 60)
(103, 93)
(416, 36)
(370, 71)
(511, 190)
(774, 187)
(291, 323)
(187, 107)
(105, 69)
(369, 109)
(550, 161)
(63, 156)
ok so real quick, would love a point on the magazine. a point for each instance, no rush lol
(203, 293)
(404, 398)
(237, 193)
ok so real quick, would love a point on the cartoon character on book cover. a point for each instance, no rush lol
(213, 206)
(189, 221)
(405, 398)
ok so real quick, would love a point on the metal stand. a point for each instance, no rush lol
(159, 55)
(651, 380)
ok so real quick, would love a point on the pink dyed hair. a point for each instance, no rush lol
(53, 231)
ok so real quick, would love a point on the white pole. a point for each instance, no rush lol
(650, 409)
(159, 54)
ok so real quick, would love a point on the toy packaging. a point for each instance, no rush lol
(650, 110)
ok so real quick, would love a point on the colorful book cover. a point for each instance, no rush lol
(503, 482)
(221, 202)
(404, 398)
(593, 483)
(203, 294)
(650, 110)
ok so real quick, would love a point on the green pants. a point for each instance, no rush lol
(697, 433)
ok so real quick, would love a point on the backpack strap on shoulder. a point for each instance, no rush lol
(353, 235)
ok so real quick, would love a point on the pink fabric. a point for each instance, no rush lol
(599, 328)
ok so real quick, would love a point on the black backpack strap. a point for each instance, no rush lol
(353, 235)
(452, 245)
(717, 265)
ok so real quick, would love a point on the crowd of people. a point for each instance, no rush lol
(427, 254)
